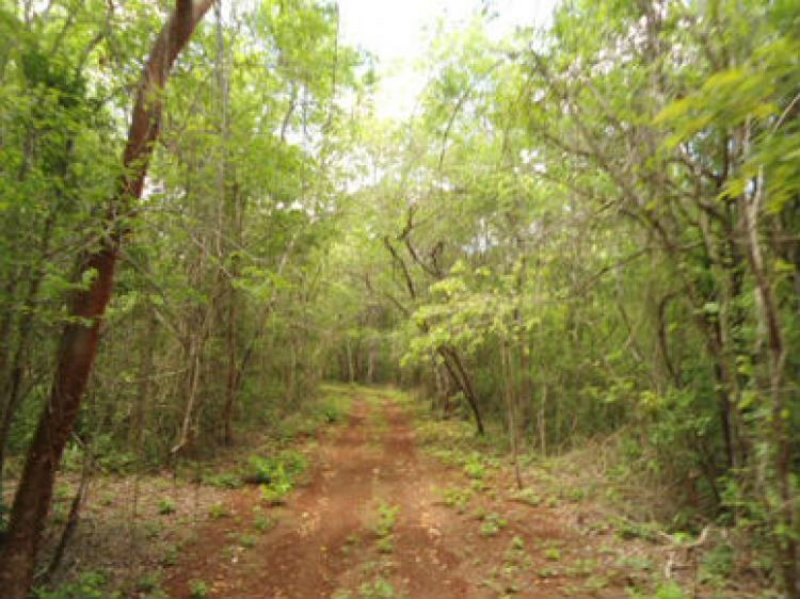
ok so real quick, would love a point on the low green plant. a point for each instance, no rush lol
(457, 498)
(263, 523)
(669, 590)
(380, 588)
(529, 496)
(278, 473)
(218, 510)
(198, 589)
(516, 557)
(474, 467)
(574, 495)
(152, 529)
(635, 562)
(170, 556)
(59, 514)
(596, 583)
(223, 480)
(89, 585)
(149, 584)
(717, 564)
(492, 525)
(547, 573)
(582, 567)
(166, 507)
(635, 530)
(387, 519)
(385, 544)
(248, 541)
(552, 554)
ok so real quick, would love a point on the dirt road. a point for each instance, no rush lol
(372, 523)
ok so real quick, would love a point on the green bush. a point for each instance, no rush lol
(277, 473)
(166, 506)
(198, 589)
(90, 585)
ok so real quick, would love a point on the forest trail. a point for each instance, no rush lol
(372, 523)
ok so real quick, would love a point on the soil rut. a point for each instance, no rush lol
(326, 544)
(324, 541)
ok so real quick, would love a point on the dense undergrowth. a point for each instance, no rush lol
(605, 493)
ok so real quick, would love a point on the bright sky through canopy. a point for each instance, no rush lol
(396, 31)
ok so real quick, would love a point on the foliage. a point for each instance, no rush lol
(89, 585)
(218, 510)
(166, 507)
(670, 590)
(492, 524)
(198, 589)
(380, 588)
(386, 519)
(277, 473)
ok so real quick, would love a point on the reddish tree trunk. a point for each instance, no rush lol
(79, 339)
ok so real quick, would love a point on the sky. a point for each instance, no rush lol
(396, 32)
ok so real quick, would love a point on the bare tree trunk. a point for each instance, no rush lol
(510, 392)
(370, 361)
(78, 345)
(351, 374)
(785, 517)
(542, 421)
(230, 228)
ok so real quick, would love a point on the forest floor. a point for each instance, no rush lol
(393, 504)
(382, 518)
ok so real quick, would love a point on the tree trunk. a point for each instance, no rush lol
(784, 518)
(79, 339)
(509, 392)
(74, 512)
(351, 375)
(460, 377)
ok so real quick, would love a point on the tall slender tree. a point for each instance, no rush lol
(80, 337)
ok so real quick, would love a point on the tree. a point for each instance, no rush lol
(79, 339)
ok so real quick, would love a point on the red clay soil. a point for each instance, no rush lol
(325, 544)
